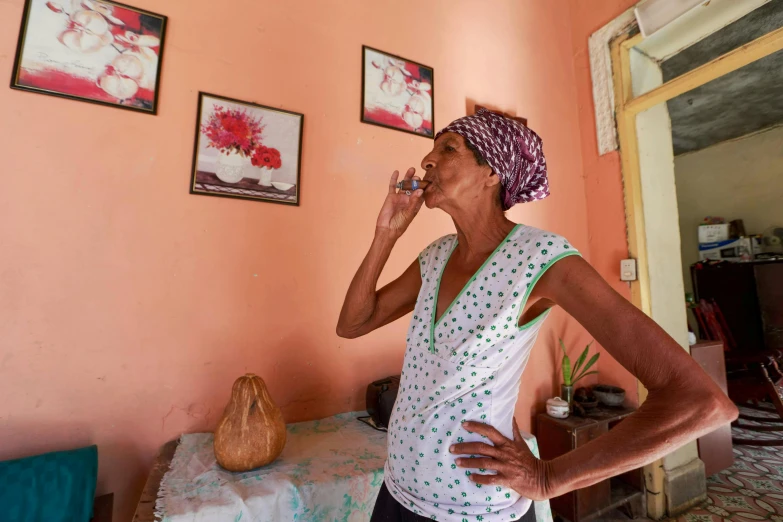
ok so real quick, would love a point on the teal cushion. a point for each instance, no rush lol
(54, 487)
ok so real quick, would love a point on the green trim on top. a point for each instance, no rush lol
(471, 280)
(533, 285)
(532, 322)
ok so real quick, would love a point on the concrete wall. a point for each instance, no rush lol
(659, 200)
(738, 179)
(656, 165)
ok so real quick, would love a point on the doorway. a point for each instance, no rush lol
(644, 92)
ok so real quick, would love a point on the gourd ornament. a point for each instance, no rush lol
(251, 433)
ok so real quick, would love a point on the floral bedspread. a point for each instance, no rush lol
(330, 470)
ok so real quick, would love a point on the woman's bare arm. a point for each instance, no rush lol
(366, 308)
(683, 402)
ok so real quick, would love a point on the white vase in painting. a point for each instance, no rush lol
(266, 177)
(230, 167)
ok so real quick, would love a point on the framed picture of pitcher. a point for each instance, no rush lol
(397, 93)
(246, 151)
(91, 50)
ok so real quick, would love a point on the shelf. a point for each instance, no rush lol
(560, 436)
(622, 493)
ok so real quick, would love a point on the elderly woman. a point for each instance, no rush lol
(479, 298)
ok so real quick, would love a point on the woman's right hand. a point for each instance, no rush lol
(399, 209)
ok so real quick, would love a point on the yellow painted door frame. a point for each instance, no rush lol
(627, 107)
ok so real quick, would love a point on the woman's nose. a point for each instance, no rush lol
(427, 163)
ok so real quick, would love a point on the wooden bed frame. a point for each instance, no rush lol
(145, 509)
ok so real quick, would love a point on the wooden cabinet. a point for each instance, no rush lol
(559, 436)
(769, 284)
(750, 296)
(715, 448)
(102, 508)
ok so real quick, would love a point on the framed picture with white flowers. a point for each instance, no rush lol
(397, 93)
(91, 50)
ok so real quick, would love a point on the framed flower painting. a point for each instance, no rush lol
(91, 50)
(246, 151)
(397, 93)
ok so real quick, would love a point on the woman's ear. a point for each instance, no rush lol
(492, 179)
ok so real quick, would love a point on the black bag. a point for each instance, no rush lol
(381, 395)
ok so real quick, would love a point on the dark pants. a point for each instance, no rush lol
(387, 509)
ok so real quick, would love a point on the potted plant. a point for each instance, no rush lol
(579, 370)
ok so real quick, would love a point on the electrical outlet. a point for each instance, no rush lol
(628, 270)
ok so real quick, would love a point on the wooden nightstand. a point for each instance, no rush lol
(715, 448)
(559, 436)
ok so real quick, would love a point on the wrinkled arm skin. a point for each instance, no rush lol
(683, 404)
(365, 308)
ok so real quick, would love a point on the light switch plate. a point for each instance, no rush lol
(628, 270)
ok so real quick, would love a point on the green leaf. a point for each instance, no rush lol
(566, 365)
(588, 373)
(581, 360)
(566, 370)
(591, 362)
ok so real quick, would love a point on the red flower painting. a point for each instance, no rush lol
(266, 157)
(235, 130)
(245, 150)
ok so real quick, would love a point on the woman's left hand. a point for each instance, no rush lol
(516, 466)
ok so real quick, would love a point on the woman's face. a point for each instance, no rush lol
(456, 179)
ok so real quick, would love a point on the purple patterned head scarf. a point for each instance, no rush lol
(513, 151)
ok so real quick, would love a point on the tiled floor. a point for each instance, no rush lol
(752, 489)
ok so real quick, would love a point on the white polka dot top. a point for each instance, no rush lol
(465, 366)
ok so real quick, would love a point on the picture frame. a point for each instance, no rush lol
(244, 150)
(397, 93)
(97, 51)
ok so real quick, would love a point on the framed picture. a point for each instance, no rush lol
(91, 50)
(397, 93)
(246, 151)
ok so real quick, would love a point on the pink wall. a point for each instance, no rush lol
(607, 238)
(128, 306)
